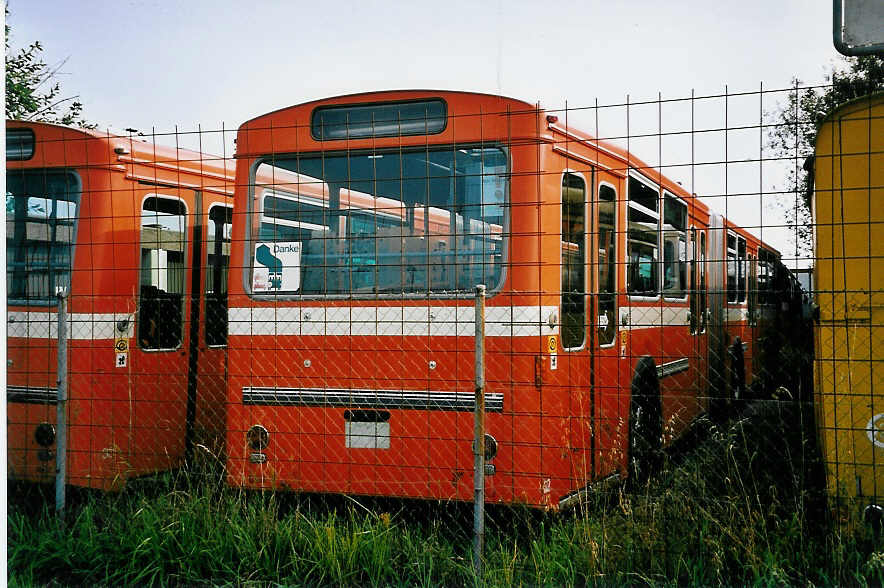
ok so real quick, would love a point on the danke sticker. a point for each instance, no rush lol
(277, 267)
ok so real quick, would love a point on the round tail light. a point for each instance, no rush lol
(490, 446)
(258, 438)
(44, 434)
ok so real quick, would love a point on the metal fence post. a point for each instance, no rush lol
(61, 406)
(479, 440)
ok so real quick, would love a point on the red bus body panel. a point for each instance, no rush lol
(122, 421)
(562, 422)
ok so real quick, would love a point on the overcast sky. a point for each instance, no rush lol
(206, 63)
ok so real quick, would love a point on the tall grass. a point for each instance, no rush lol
(742, 508)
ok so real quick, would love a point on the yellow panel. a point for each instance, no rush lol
(848, 211)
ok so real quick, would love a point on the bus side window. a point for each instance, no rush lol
(753, 290)
(765, 266)
(161, 302)
(573, 261)
(731, 268)
(642, 274)
(218, 262)
(675, 214)
(607, 265)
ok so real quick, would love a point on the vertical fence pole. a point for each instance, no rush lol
(61, 405)
(479, 440)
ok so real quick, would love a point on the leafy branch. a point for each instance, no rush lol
(792, 135)
(26, 76)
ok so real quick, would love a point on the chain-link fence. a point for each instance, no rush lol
(138, 235)
(667, 337)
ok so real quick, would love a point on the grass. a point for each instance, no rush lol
(741, 508)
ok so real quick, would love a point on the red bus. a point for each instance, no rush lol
(139, 236)
(367, 222)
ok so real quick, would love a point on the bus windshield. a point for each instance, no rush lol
(41, 214)
(426, 221)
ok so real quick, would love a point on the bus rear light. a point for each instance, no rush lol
(490, 447)
(44, 434)
(258, 437)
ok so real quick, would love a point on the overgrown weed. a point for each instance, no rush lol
(742, 508)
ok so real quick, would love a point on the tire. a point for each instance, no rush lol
(645, 424)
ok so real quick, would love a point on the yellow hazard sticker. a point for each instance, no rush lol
(121, 351)
(552, 344)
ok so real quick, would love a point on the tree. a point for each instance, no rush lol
(793, 133)
(32, 89)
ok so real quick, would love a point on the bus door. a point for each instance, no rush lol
(570, 355)
(605, 369)
(699, 316)
(211, 353)
(677, 383)
(161, 386)
(717, 320)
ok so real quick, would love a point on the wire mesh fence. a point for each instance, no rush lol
(663, 343)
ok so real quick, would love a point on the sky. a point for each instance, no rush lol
(164, 65)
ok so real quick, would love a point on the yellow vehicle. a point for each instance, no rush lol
(848, 208)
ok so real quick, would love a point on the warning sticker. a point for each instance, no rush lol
(552, 344)
(277, 267)
(121, 351)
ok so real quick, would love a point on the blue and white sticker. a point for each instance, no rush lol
(277, 267)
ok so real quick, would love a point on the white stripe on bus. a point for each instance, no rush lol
(373, 321)
(81, 325)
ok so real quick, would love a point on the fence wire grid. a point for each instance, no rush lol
(668, 311)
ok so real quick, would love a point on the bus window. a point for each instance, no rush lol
(753, 290)
(396, 222)
(20, 144)
(41, 214)
(644, 218)
(163, 238)
(731, 268)
(765, 274)
(391, 119)
(607, 265)
(218, 261)
(573, 261)
(374, 226)
(675, 214)
(741, 269)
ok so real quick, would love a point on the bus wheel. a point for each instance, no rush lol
(645, 424)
